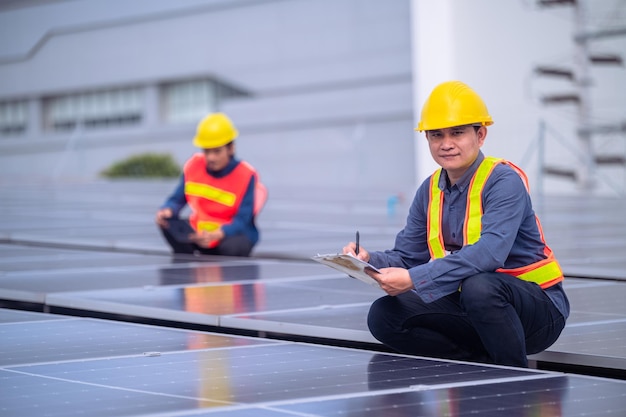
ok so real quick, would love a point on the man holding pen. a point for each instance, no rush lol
(470, 276)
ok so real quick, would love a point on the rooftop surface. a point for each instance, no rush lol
(94, 302)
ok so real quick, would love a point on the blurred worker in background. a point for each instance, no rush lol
(223, 193)
(470, 276)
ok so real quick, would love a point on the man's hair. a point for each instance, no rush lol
(476, 126)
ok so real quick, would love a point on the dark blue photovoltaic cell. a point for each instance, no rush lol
(48, 277)
(81, 259)
(23, 395)
(62, 366)
(228, 299)
(77, 367)
(16, 316)
(551, 397)
(262, 373)
(71, 339)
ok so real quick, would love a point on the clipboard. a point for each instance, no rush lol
(349, 265)
(180, 229)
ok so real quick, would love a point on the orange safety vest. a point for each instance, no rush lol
(214, 201)
(544, 273)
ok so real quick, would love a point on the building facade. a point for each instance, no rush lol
(324, 92)
(320, 90)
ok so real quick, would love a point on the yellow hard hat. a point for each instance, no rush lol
(453, 103)
(214, 130)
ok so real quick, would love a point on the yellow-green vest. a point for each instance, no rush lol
(544, 273)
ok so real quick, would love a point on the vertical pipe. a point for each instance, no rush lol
(541, 163)
(583, 82)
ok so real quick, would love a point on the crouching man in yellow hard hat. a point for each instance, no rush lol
(470, 276)
(223, 193)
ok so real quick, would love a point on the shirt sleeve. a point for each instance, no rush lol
(245, 215)
(506, 204)
(177, 200)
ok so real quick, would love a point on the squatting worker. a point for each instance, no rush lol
(223, 193)
(470, 276)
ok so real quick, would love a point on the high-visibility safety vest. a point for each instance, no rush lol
(545, 272)
(214, 202)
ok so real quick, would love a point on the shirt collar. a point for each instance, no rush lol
(463, 183)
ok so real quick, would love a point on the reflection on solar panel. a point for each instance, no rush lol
(66, 366)
(77, 367)
(296, 298)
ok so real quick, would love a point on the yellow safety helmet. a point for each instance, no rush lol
(214, 130)
(453, 103)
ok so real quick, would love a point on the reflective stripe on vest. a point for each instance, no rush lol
(210, 193)
(435, 211)
(545, 273)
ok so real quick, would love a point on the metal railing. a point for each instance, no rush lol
(597, 176)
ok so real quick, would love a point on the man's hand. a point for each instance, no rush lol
(204, 238)
(393, 281)
(350, 249)
(162, 216)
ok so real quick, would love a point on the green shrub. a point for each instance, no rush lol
(148, 165)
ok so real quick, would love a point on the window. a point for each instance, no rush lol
(94, 110)
(13, 118)
(189, 101)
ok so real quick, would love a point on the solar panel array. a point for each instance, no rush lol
(63, 366)
(101, 257)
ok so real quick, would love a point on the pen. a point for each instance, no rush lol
(357, 243)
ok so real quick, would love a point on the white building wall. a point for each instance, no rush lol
(336, 85)
(495, 46)
(330, 83)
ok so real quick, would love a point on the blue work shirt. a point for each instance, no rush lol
(242, 223)
(509, 238)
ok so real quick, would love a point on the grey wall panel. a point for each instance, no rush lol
(390, 101)
(377, 153)
(271, 35)
(363, 155)
(329, 83)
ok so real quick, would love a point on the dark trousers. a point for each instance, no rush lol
(496, 318)
(237, 245)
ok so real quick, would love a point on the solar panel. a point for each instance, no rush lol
(32, 281)
(335, 307)
(556, 396)
(16, 316)
(187, 303)
(75, 339)
(77, 367)
(55, 365)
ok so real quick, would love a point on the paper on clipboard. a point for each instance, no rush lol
(350, 265)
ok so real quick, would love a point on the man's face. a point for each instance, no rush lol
(217, 158)
(456, 148)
